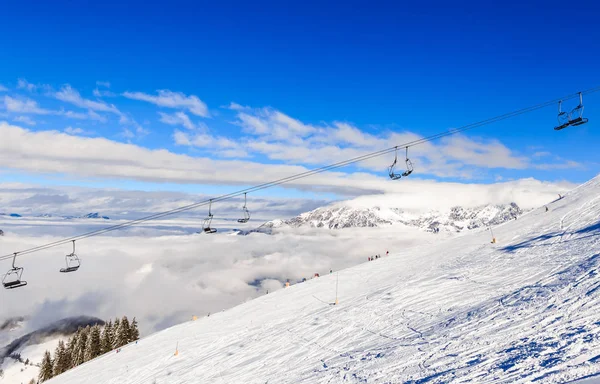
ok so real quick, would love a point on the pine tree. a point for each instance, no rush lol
(71, 348)
(134, 333)
(106, 338)
(115, 331)
(92, 348)
(79, 352)
(61, 363)
(123, 332)
(46, 368)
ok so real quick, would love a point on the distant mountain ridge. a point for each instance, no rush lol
(64, 327)
(456, 219)
(92, 215)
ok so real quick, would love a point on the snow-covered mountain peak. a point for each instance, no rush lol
(456, 219)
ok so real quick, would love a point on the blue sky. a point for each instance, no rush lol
(312, 83)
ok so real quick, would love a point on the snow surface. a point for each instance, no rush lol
(522, 310)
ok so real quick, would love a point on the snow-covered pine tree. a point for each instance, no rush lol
(134, 333)
(92, 348)
(71, 345)
(61, 363)
(115, 330)
(79, 353)
(46, 368)
(122, 334)
(106, 338)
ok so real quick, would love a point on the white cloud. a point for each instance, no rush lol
(25, 120)
(24, 84)
(177, 118)
(170, 99)
(237, 107)
(70, 95)
(104, 84)
(74, 131)
(274, 124)
(283, 138)
(25, 106)
(29, 106)
(220, 146)
(95, 116)
(3, 88)
(102, 158)
(103, 93)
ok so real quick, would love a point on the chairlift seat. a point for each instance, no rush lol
(69, 269)
(243, 220)
(209, 230)
(578, 121)
(14, 284)
(406, 173)
(563, 126)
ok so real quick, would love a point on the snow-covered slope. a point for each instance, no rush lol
(522, 310)
(455, 219)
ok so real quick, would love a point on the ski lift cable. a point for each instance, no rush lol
(301, 175)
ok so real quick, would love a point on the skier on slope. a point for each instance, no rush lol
(546, 208)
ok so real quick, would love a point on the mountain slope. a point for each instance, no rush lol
(522, 310)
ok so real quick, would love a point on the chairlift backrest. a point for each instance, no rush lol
(409, 165)
(12, 278)
(391, 173)
(206, 226)
(246, 217)
(563, 117)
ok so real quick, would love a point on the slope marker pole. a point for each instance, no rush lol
(337, 280)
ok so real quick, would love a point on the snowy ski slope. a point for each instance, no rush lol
(522, 310)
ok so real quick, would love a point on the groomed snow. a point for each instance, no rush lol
(465, 310)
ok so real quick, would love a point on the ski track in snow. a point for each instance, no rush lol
(465, 310)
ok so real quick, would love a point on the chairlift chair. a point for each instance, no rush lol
(563, 118)
(12, 279)
(206, 226)
(409, 166)
(72, 262)
(246, 213)
(393, 175)
(578, 112)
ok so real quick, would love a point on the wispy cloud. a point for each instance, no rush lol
(236, 107)
(24, 84)
(77, 131)
(103, 92)
(176, 100)
(283, 138)
(177, 118)
(29, 106)
(220, 146)
(3, 88)
(71, 95)
(25, 106)
(25, 120)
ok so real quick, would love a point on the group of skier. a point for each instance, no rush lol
(371, 258)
